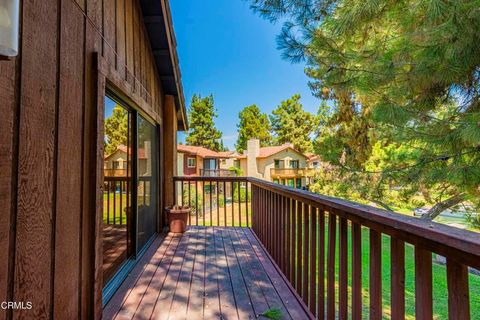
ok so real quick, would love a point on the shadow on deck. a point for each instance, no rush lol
(208, 273)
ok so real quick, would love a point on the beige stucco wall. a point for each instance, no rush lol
(266, 164)
(180, 157)
(117, 156)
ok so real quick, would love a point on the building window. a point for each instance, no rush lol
(191, 162)
(294, 164)
(236, 163)
(315, 164)
(279, 164)
(275, 180)
(116, 164)
(291, 183)
(298, 183)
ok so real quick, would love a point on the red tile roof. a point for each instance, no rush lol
(200, 151)
(124, 149)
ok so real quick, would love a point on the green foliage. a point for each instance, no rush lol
(116, 129)
(273, 313)
(253, 124)
(243, 194)
(202, 127)
(238, 171)
(404, 84)
(196, 200)
(292, 124)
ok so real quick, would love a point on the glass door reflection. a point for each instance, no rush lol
(147, 180)
(117, 197)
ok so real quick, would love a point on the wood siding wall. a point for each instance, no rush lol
(48, 133)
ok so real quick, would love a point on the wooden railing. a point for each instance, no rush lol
(215, 201)
(217, 173)
(340, 256)
(300, 230)
(117, 198)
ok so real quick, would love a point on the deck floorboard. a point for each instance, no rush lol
(208, 273)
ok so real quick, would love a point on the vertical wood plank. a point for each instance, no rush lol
(36, 162)
(120, 37)
(93, 43)
(397, 267)
(423, 284)
(321, 264)
(375, 275)
(69, 182)
(356, 271)
(299, 248)
(313, 261)
(332, 236)
(458, 291)
(8, 170)
(306, 251)
(343, 277)
(129, 50)
(109, 31)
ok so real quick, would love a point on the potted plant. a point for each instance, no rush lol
(178, 218)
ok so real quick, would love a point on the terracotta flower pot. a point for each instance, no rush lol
(178, 219)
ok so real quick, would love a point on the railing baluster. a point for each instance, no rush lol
(283, 218)
(332, 237)
(375, 275)
(321, 265)
(397, 267)
(181, 192)
(458, 291)
(343, 277)
(108, 202)
(288, 246)
(305, 251)
(196, 203)
(239, 204)
(217, 186)
(423, 284)
(189, 203)
(356, 271)
(114, 202)
(224, 203)
(233, 203)
(299, 247)
(211, 204)
(313, 260)
(246, 202)
(204, 202)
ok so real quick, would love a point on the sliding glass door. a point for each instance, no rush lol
(130, 188)
(147, 181)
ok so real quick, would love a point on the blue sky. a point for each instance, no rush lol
(227, 50)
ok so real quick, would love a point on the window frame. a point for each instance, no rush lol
(194, 162)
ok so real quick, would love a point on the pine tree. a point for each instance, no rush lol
(202, 127)
(116, 129)
(292, 124)
(253, 124)
(400, 73)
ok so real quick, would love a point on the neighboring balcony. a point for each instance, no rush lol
(217, 173)
(290, 172)
(254, 246)
(115, 172)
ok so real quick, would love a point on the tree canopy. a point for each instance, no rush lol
(202, 130)
(252, 124)
(292, 124)
(116, 129)
(403, 77)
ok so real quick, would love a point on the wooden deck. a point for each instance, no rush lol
(208, 273)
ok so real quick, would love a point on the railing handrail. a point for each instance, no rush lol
(206, 179)
(462, 245)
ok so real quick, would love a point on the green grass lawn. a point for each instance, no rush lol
(117, 200)
(440, 292)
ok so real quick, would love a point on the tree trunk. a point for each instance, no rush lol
(442, 206)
